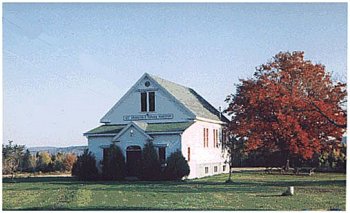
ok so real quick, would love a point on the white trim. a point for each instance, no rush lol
(164, 133)
(192, 114)
(148, 133)
(103, 119)
(136, 127)
(105, 146)
(95, 135)
(161, 145)
(147, 90)
(209, 120)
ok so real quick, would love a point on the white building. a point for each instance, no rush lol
(171, 116)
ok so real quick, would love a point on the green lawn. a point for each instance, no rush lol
(250, 191)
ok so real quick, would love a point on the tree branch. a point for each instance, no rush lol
(325, 116)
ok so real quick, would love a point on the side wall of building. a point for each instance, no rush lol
(204, 161)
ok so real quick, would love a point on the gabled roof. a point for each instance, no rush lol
(191, 99)
(141, 129)
(168, 127)
(107, 129)
(150, 127)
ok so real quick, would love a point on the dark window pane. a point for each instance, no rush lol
(152, 101)
(105, 154)
(206, 137)
(214, 139)
(143, 102)
(188, 154)
(162, 154)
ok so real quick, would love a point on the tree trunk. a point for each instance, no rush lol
(230, 174)
(229, 180)
(287, 165)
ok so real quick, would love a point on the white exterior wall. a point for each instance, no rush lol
(96, 144)
(192, 137)
(130, 104)
(173, 142)
(200, 156)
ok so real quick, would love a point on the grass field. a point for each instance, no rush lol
(250, 191)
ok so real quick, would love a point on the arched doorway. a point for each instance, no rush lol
(133, 160)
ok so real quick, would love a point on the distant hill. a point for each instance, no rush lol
(78, 150)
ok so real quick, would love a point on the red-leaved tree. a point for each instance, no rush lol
(290, 106)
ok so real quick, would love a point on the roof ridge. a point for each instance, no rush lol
(157, 77)
(191, 99)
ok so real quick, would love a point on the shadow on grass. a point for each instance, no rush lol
(74, 181)
(121, 208)
(269, 195)
(172, 186)
(37, 179)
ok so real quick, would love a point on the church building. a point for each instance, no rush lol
(172, 117)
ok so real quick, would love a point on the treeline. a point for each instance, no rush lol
(332, 159)
(16, 158)
(114, 167)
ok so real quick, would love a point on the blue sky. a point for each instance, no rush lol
(66, 65)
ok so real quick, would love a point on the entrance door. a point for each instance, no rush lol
(133, 160)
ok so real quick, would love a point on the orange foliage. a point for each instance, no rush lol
(291, 105)
(69, 160)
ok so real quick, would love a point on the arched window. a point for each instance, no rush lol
(133, 148)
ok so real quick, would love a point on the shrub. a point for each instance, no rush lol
(11, 156)
(44, 162)
(150, 169)
(85, 167)
(113, 165)
(27, 162)
(68, 161)
(58, 162)
(177, 167)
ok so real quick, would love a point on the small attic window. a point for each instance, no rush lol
(147, 83)
(148, 99)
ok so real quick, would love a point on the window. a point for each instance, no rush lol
(216, 137)
(205, 137)
(188, 154)
(143, 101)
(150, 102)
(223, 168)
(206, 170)
(105, 154)
(161, 153)
(215, 169)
